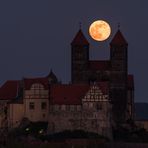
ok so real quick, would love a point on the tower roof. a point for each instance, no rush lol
(118, 39)
(52, 77)
(80, 39)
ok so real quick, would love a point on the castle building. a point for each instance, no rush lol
(100, 96)
(114, 71)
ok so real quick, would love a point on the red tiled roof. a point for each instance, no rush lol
(99, 65)
(80, 39)
(68, 94)
(118, 39)
(130, 81)
(29, 81)
(72, 93)
(9, 90)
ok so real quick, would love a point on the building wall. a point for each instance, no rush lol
(35, 106)
(36, 113)
(75, 117)
(15, 114)
(36, 102)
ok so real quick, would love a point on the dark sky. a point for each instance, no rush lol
(35, 36)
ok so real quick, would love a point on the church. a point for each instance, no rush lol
(99, 97)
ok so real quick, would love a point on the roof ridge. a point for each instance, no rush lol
(80, 39)
(118, 39)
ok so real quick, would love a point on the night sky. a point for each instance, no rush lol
(35, 36)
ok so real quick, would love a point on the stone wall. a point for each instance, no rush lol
(88, 120)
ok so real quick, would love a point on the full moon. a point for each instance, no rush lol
(99, 30)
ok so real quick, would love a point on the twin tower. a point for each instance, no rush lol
(114, 71)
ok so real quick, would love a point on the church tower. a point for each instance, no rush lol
(118, 77)
(79, 58)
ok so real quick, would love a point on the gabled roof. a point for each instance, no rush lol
(130, 81)
(118, 39)
(29, 81)
(68, 93)
(9, 90)
(72, 94)
(99, 65)
(80, 39)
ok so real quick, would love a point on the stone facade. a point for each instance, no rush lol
(93, 115)
(87, 120)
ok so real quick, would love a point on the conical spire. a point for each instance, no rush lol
(80, 39)
(52, 77)
(118, 39)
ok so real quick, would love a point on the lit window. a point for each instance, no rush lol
(31, 105)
